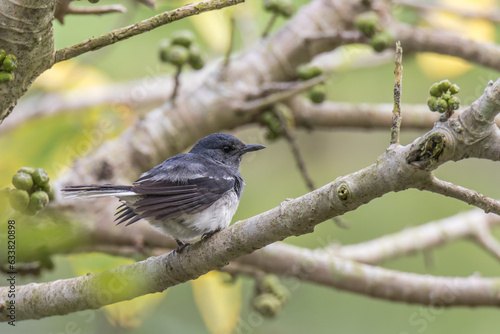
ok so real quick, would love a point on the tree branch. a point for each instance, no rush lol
(474, 224)
(32, 42)
(99, 10)
(325, 269)
(402, 243)
(293, 88)
(487, 240)
(299, 159)
(466, 195)
(358, 115)
(153, 91)
(65, 7)
(448, 43)
(149, 24)
(490, 15)
(396, 110)
(158, 273)
(412, 240)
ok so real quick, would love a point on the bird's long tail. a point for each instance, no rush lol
(97, 190)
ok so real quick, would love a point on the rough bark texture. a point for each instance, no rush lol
(26, 32)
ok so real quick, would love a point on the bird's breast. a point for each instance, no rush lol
(188, 227)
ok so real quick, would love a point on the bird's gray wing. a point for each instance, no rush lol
(167, 200)
(183, 184)
(163, 199)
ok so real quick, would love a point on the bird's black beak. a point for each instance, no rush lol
(251, 148)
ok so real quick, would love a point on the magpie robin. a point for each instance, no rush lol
(186, 196)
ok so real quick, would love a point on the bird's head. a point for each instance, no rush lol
(223, 148)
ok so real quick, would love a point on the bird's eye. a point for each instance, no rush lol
(227, 149)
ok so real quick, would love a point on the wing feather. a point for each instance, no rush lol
(163, 199)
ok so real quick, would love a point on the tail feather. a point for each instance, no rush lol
(97, 190)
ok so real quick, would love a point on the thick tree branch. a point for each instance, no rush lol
(325, 269)
(138, 95)
(448, 43)
(474, 224)
(139, 238)
(158, 273)
(26, 32)
(490, 15)
(361, 116)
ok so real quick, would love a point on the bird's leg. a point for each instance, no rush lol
(207, 235)
(181, 247)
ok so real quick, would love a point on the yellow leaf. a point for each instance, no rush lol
(132, 313)
(439, 66)
(213, 27)
(126, 314)
(218, 301)
(70, 74)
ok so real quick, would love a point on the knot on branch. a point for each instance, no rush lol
(343, 192)
(428, 151)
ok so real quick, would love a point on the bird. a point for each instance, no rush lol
(186, 196)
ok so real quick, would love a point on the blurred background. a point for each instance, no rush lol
(271, 177)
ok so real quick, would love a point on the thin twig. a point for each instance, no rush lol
(227, 57)
(95, 10)
(345, 36)
(272, 87)
(149, 3)
(299, 159)
(96, 43)
(236, 268)
(32, 269)
(429, 260)
(446, 115)
(396, 111)
(269, 25)
(484, 238)
(177, 84)
(269, 100)
(466, 195)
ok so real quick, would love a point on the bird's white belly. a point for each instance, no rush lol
(188, 227)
